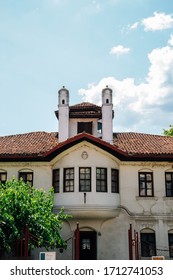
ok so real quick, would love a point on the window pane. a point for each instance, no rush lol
(148, 177)
(168, 176)
(149, 192)
(29, 177)
(142, 192)
(142, 177)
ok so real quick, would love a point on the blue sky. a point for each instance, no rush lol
(86, 45)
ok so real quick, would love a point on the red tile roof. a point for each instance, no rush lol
(144, 144)
(43, 145)
(34, 143)
(83, 110)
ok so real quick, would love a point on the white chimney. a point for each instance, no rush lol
(63, 104)
(107, 115)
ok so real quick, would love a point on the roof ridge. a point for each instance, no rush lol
(26, 133)
(85, 102)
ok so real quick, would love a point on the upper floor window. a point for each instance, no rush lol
(84, 127)
(115, 180)
(148, 244)
(101, 179)
(55, 181)
(27, 177)
(84, 179)
(146, 184)
(169, 183)
(3, 177)
(69, 180)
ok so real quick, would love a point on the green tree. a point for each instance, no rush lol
(168, 132)
(21, 205)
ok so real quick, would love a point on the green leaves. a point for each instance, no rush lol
(21, 204)
(168, 132)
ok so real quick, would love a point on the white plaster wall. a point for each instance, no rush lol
(107, 128)
(129, 189)
(63, 123)
(113, 242)
(73, 126)
(42, 173)
(95, 159)
(153, 213)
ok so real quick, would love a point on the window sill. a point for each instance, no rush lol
(168, 198)
(146, 198)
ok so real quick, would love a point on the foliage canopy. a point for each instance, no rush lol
(168, 132)
(21, 205)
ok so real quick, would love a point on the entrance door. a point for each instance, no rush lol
(88, 245)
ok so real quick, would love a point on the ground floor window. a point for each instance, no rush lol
(27, 177)
(170, 240)
(148, 244)
(3, 177)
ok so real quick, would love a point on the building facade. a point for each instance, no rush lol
(118, 187)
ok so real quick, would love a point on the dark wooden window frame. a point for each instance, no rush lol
(101, 179)
(170, 241)
(148, 244)
(114, 180)
(169, 184)
(56, 179)
(84, 182)
(144, 189)
(24, 175)
(84, 127)
(69, 179)
(3, 173)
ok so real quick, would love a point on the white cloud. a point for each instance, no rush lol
(170, 42)
(159, 21)
(156, 22)
(119, 50)
(134, 25)
(141, 107)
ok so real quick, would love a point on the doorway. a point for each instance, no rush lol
(88, 245)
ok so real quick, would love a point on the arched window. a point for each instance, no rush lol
(170, 241)
(148, 242)
(26, 175)
(107, 100)
(3, 176)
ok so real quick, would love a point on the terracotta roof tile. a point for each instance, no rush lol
(34, 143)
(143, 144)
(130, 144)
(83, 110)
